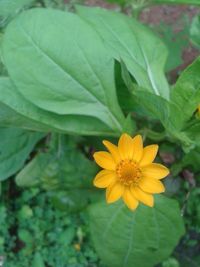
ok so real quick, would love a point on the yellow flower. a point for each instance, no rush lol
(77, 246)
(129, 172)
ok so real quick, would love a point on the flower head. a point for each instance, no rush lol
(129, 172)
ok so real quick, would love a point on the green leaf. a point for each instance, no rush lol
(186, 92)
(143, 53)
(64, 171)
(58, 4)
(190, 160)
(155, 106)
(38, 260)
(48, 76)
(62, 167)
(14, 109)
(193, 132)
(175, 42)
(72, 200)
(171, 262)
(160, 109)
(126, 99)
(9, 7)
(142, 238)
(17, 111)
(30, 175)
(15, 146)
(167, 112)
(9, 117)
(26, 237)
(195, 31)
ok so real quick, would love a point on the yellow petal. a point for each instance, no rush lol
(155, 170)
(114, 192)
(149, 154)
(125, 145)
(143, 197)
(137, 148)
(129, 199)
(113, 149)
(105, 160)
(104, 178)
(150, 185)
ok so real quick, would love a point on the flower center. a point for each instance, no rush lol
(128, 172)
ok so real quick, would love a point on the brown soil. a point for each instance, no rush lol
(173, 15)
(168, 14)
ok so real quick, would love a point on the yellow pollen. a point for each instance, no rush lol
(128, 172)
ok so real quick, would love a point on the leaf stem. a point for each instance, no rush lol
(153, 135)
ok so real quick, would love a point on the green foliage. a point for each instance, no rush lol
(186, 92)
(15, 110)
(142, 238)
(15, 147)
(193, 209)
(183, 101)
(195, 31)
(171, 262)
(62, 166)
(96, 73)
(65, 91)
(58, 4)
(175, 42)
(186, 95)
(128, 40)
(64, 171)
(45, 234)
(190, 160)
(10, 8)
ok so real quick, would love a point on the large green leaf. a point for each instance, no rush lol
(186, 92)
(61, 167)
(142, 238)
(15, 146)
(10, 118)
(143, 53)
(14, 110)
(61, 69)
(19, 112)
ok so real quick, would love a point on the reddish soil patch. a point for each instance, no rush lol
(173, 15)
(168, 14)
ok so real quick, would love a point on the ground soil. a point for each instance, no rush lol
(172, 15)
